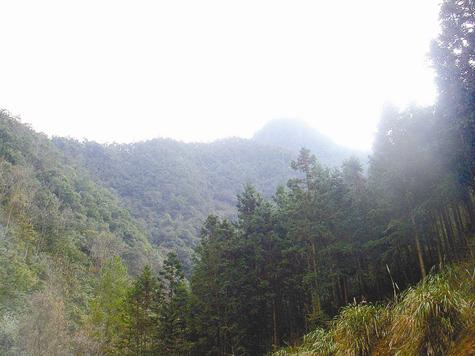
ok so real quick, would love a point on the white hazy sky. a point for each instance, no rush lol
(199, 70)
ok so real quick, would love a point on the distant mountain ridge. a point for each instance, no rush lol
(294, 134)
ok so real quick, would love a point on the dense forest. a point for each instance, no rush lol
(170, 187)
(135, 249)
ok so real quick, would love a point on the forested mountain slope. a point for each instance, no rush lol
(57, 227)
(56, 200)
(171, 187)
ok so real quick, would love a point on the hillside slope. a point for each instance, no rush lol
(171, 187)
(435, 317)
(57, 226)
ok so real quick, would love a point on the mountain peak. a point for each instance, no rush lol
(293, 134)
(290, 134)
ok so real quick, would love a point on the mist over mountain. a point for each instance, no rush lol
(292, 135)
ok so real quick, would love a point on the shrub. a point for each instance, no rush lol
(319, 342)
(358, 327)
(428, 318)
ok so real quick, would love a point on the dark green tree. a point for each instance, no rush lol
(172, 336)
(144, 304)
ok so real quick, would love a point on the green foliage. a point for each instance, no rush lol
(429, 317)
(283, 267)
(44, 326)
(317, 342)
(173, 312)
(143, 308)
(171, 187)
(358, 327)
(52, 215)
(107, 317)
(452, 56)
(320, 342)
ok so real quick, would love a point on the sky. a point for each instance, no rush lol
(125, 71)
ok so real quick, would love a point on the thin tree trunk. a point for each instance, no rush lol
(461, 227)
(438, 242)
(345, 290)
(458, 220)
(468, 206)
(274, 322)
(8, 220)
(448, 242)
(461, 215)
(418, 248)
(450, 232)
(443, 236)
(316, 302)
